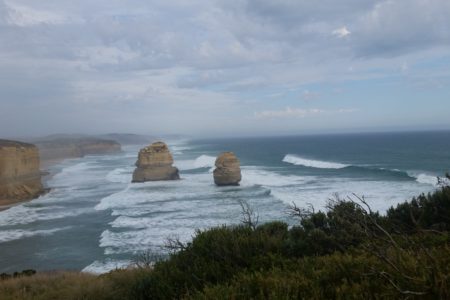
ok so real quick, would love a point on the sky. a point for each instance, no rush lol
(223, 68)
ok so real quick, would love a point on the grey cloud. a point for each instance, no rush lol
(402, 26)
(144, 59)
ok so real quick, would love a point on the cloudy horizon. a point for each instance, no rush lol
(208, 67)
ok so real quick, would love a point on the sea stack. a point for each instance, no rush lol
(155, 163)
(20, 176)
(228, 170)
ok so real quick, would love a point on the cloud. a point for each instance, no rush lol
(341, 32)
(186, 63)
(402, 26)
(23, 16)
(289, 112)
(308, 95)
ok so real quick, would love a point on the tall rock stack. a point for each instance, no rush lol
(228, 170)
(155, 163)
(20, 177)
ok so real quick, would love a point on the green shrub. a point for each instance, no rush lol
(430, 211)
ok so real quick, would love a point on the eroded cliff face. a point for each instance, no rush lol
(20, 176)
(59, 149)
(155, 163)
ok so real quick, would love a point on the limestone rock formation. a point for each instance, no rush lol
(20, 177)
(228, 170)
(155, 163)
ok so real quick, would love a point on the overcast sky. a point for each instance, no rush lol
(229, 68)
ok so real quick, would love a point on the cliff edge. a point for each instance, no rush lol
(20, 176)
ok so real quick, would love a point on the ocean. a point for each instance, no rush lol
(95, 220)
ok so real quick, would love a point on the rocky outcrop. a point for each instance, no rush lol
(58, 149)
(155, 163)
(20, 176)
(228, 170)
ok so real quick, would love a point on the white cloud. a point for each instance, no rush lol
(101, 55)
(289, 112)
(308, 95)
(23, 16)
(341, 32)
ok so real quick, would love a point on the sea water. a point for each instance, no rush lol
(94, 219)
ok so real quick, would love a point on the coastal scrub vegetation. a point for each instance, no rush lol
(345, 252)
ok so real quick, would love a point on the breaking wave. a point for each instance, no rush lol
(300, 161)
(17, 234)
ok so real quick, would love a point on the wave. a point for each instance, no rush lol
(300, 161)
(119, 175)
(193, 187)
(101, 267)
(203, 161)
(17, 234)
(417, 176)
(179, 149)
(136, 241)
(424, 178)
(255, 175)
(21, 214)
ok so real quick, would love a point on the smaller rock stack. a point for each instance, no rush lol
(228, 170)
(155, 163)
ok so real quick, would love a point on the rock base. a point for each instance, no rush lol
(155, 174)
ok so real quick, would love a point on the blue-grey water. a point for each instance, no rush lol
(95, 220)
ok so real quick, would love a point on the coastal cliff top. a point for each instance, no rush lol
(156, 148)
(78, 141)
(10, 143)
(226, 159)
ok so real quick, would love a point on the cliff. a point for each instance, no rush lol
(155, 163)
(228, 170)
(58, 149)
(20, 177)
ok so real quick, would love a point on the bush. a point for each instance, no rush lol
(430, 211)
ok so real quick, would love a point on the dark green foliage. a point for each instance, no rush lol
(430, 211)
(323, 233)
(214, 256)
